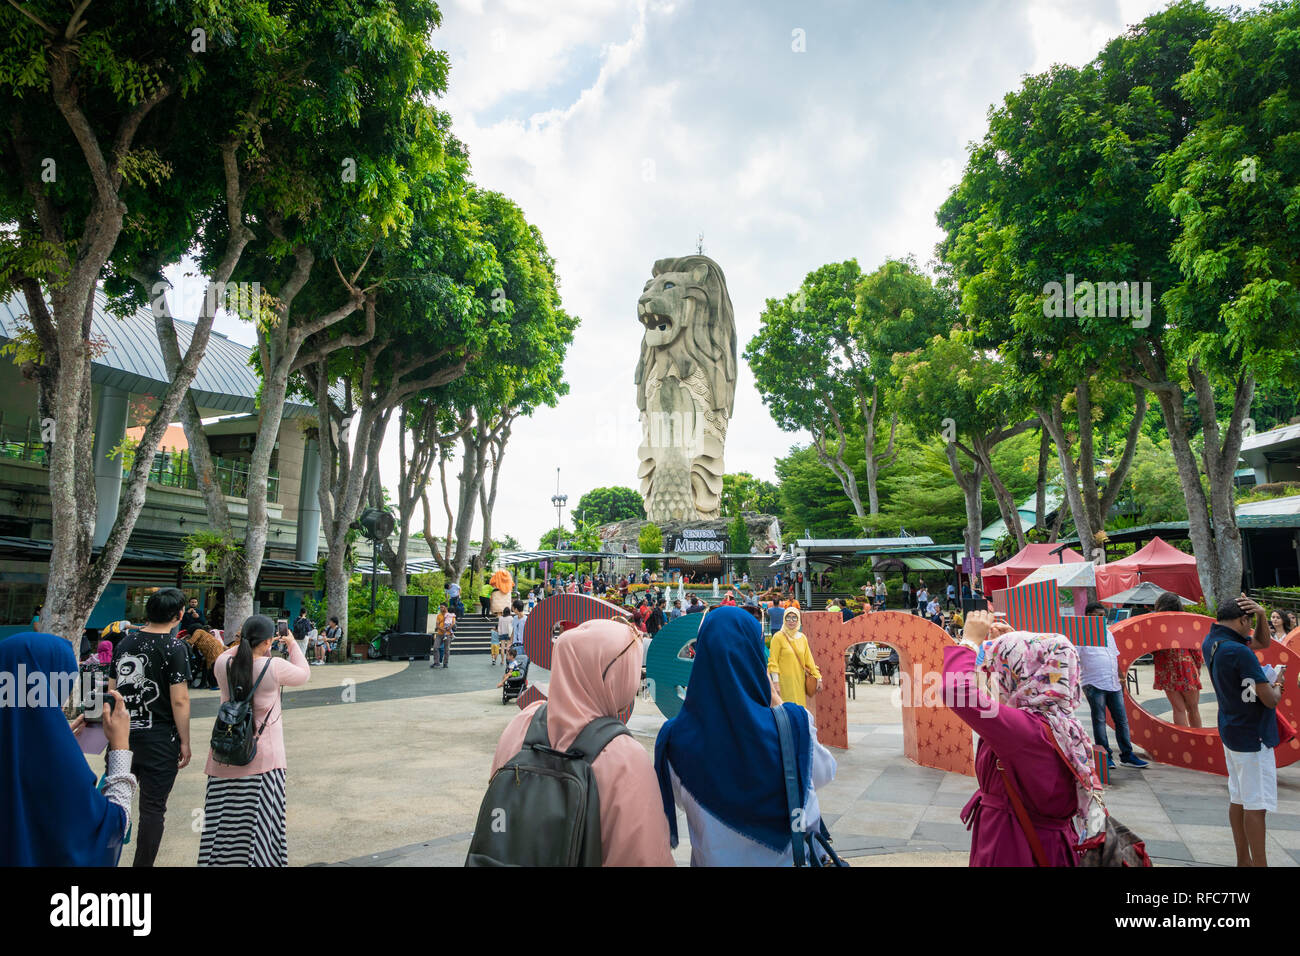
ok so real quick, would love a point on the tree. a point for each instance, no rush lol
(806, 363)
(1152, 493)
(86, 163)
(426, 286)
(1234, 308)
(812, 498)
(946, 390)
(418, 426)
(897, 310)
(738, 541)
(743, 492)
(527, 336)
(607, 505)
(1057, 249)
(650, 540)
(550, 540)
(327, 186)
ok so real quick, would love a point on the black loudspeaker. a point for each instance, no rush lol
(974, 604)
(413, 614)
(406, 646)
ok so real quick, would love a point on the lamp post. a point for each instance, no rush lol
(559, 501)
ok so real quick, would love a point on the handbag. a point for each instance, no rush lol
(809, 849)
(1114, 844)
(809, 681)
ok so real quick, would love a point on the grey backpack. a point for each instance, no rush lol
(541, 808)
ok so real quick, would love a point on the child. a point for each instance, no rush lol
(504, 630)
(513, 667)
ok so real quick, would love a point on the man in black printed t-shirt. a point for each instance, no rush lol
(151, 670)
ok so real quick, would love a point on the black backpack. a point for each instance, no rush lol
(233, 740)
(542, 808)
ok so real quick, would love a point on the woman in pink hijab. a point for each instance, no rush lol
(596, 672)
(1032, 748)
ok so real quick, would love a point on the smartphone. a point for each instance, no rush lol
(94, 696)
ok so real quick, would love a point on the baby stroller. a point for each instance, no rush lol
(862, 663)
(516, 681)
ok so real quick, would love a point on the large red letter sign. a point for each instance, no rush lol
(1196, 748)
(540, 624)
(933, 736)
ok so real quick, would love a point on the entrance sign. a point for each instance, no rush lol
(696, 540)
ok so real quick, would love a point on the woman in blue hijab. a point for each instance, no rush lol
(720, 758)
(51, 813)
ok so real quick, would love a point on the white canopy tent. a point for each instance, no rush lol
(1081, 574)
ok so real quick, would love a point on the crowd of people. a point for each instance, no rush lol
(1036, 778)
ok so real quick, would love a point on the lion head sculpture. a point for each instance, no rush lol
(689, 322)
(686, 387)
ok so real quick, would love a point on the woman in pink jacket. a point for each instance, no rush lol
(244, 808)
(1031, 747)
(596, 672)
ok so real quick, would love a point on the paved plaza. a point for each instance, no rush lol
(388, 762)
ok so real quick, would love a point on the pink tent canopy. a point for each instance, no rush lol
(1019, 566)
(1160, 563)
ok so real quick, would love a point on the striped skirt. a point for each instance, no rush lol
(243, 821)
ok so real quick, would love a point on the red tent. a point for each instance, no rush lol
(1160, 563)
(1019, 566)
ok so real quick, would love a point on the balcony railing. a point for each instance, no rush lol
(22, 441)
(172, 468)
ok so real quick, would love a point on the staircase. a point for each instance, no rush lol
(473, 633)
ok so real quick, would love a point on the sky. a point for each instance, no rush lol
(788, 135)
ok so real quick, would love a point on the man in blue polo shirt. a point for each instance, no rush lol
(1248, 699)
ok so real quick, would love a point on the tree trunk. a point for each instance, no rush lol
(873, 462)
(1007, 508)
(1052, 419)
(834, 460)
(1040, 488)
(1221, 575)
(75, 583)
(337, 575)
(969, 482)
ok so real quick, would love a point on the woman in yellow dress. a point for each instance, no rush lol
(790, 659)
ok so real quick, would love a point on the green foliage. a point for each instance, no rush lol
(1231, 187)
(650, 540)
(433, 584)
(1273, 489)
(804, 357)
(1152, 494)
(743, 492)
(363, 627)
(550, 540)
(738, 542)
(607, 505)
(811, 497)
(586, 536)
(207, 554)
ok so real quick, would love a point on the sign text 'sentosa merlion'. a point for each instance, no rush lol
(685, 387)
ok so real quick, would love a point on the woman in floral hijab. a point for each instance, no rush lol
(1029, 740)
(1040, 673)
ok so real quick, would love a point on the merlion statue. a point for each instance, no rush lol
(685, 387)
